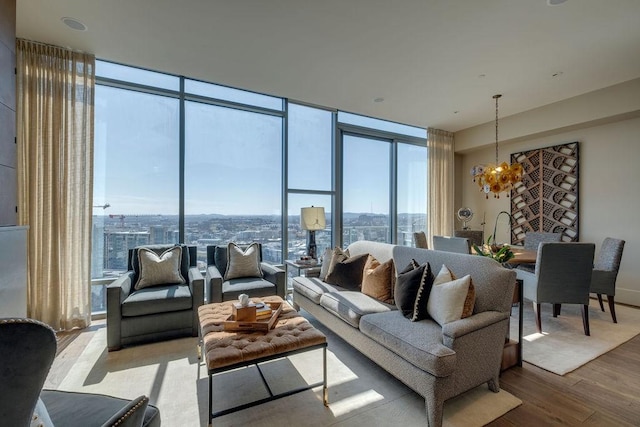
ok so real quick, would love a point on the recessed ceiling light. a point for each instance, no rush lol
(74, 24)
(378, 100)
(557, 74)
(482, 76)
(555, 2)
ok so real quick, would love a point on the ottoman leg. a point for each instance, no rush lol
(325, 390)
(210, 402)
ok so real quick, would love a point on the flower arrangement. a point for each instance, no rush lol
(500, 253)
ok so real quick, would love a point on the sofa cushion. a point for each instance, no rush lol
(157, 299)
(378, 280)
(350, 306)
(313, 287)
(420, 343)
(407, 284)
(422, 297)
(231, 289)
(446, 275)
(159, 269)
(347, 272)
(326, 262)
(243, 262)
(447, 300)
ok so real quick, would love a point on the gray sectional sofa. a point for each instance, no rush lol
(437, 362)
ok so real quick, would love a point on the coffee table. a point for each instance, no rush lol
(225, 350)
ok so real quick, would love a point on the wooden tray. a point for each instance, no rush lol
(259, 325)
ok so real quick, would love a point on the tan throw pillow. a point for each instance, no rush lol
(163, 269)
(377, 280)
(243, 263)
(450, 300)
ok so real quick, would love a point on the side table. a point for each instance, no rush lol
(298, 269)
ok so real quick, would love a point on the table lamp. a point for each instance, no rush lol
(312, 219)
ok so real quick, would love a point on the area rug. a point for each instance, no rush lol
(360, 393)
(562, 346)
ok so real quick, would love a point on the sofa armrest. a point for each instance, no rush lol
(275, 275)
(117, 292)
(196, 285)
(213, 279)
(471, 324)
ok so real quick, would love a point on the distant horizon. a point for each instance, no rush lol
(327, 213)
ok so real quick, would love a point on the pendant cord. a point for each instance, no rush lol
(496, 97)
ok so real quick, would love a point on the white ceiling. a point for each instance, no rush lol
(435, 62)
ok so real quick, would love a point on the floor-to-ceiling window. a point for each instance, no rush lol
(181, 160)
(383, 180)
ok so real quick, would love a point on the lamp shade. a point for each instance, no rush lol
(312, 218)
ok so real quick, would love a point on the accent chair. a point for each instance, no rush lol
(420, 240)
(157, 298)
(241, 271)
(27, 350)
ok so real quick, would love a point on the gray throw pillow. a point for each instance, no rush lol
(243, 263)
(163, 269)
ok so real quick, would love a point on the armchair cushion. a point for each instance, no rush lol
(157, 299)
(160, 269)
(243, 263)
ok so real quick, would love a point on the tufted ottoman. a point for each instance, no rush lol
(226, 350)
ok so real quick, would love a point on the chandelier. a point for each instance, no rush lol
(498, 177)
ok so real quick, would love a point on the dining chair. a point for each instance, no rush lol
(420, 240)
(531, 241)
(476, 237)
(605, 272)
(533, 238)
(459, 245)
(562, 276)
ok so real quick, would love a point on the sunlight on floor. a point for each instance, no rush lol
(356, 401)
(535, 336)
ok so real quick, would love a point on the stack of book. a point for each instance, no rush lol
(263, 311)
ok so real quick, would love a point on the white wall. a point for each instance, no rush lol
(609, 188)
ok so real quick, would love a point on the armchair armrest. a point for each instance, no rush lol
(117, 292)
(196, 285)
(213, 279)
(275, 275)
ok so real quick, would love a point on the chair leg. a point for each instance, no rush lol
(612, 308)
(556, 309)
(600, 301)
(585, 319)
(536, 311)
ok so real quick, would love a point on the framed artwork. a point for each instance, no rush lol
(547, 197)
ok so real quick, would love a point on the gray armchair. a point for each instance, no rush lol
(605, 272)
(459, 245)
(27, 350)
(154, 312)
(273, 281)
(562, 276)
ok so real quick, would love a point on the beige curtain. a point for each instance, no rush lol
(55, 89)
(440, 183)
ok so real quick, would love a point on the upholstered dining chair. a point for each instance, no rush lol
(531, 241)
(562, 276)
(605, 272)
(459, 245)
(27, 350)
(420, 240)
(533, 238)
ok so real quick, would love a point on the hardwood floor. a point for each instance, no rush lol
(604, 392)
